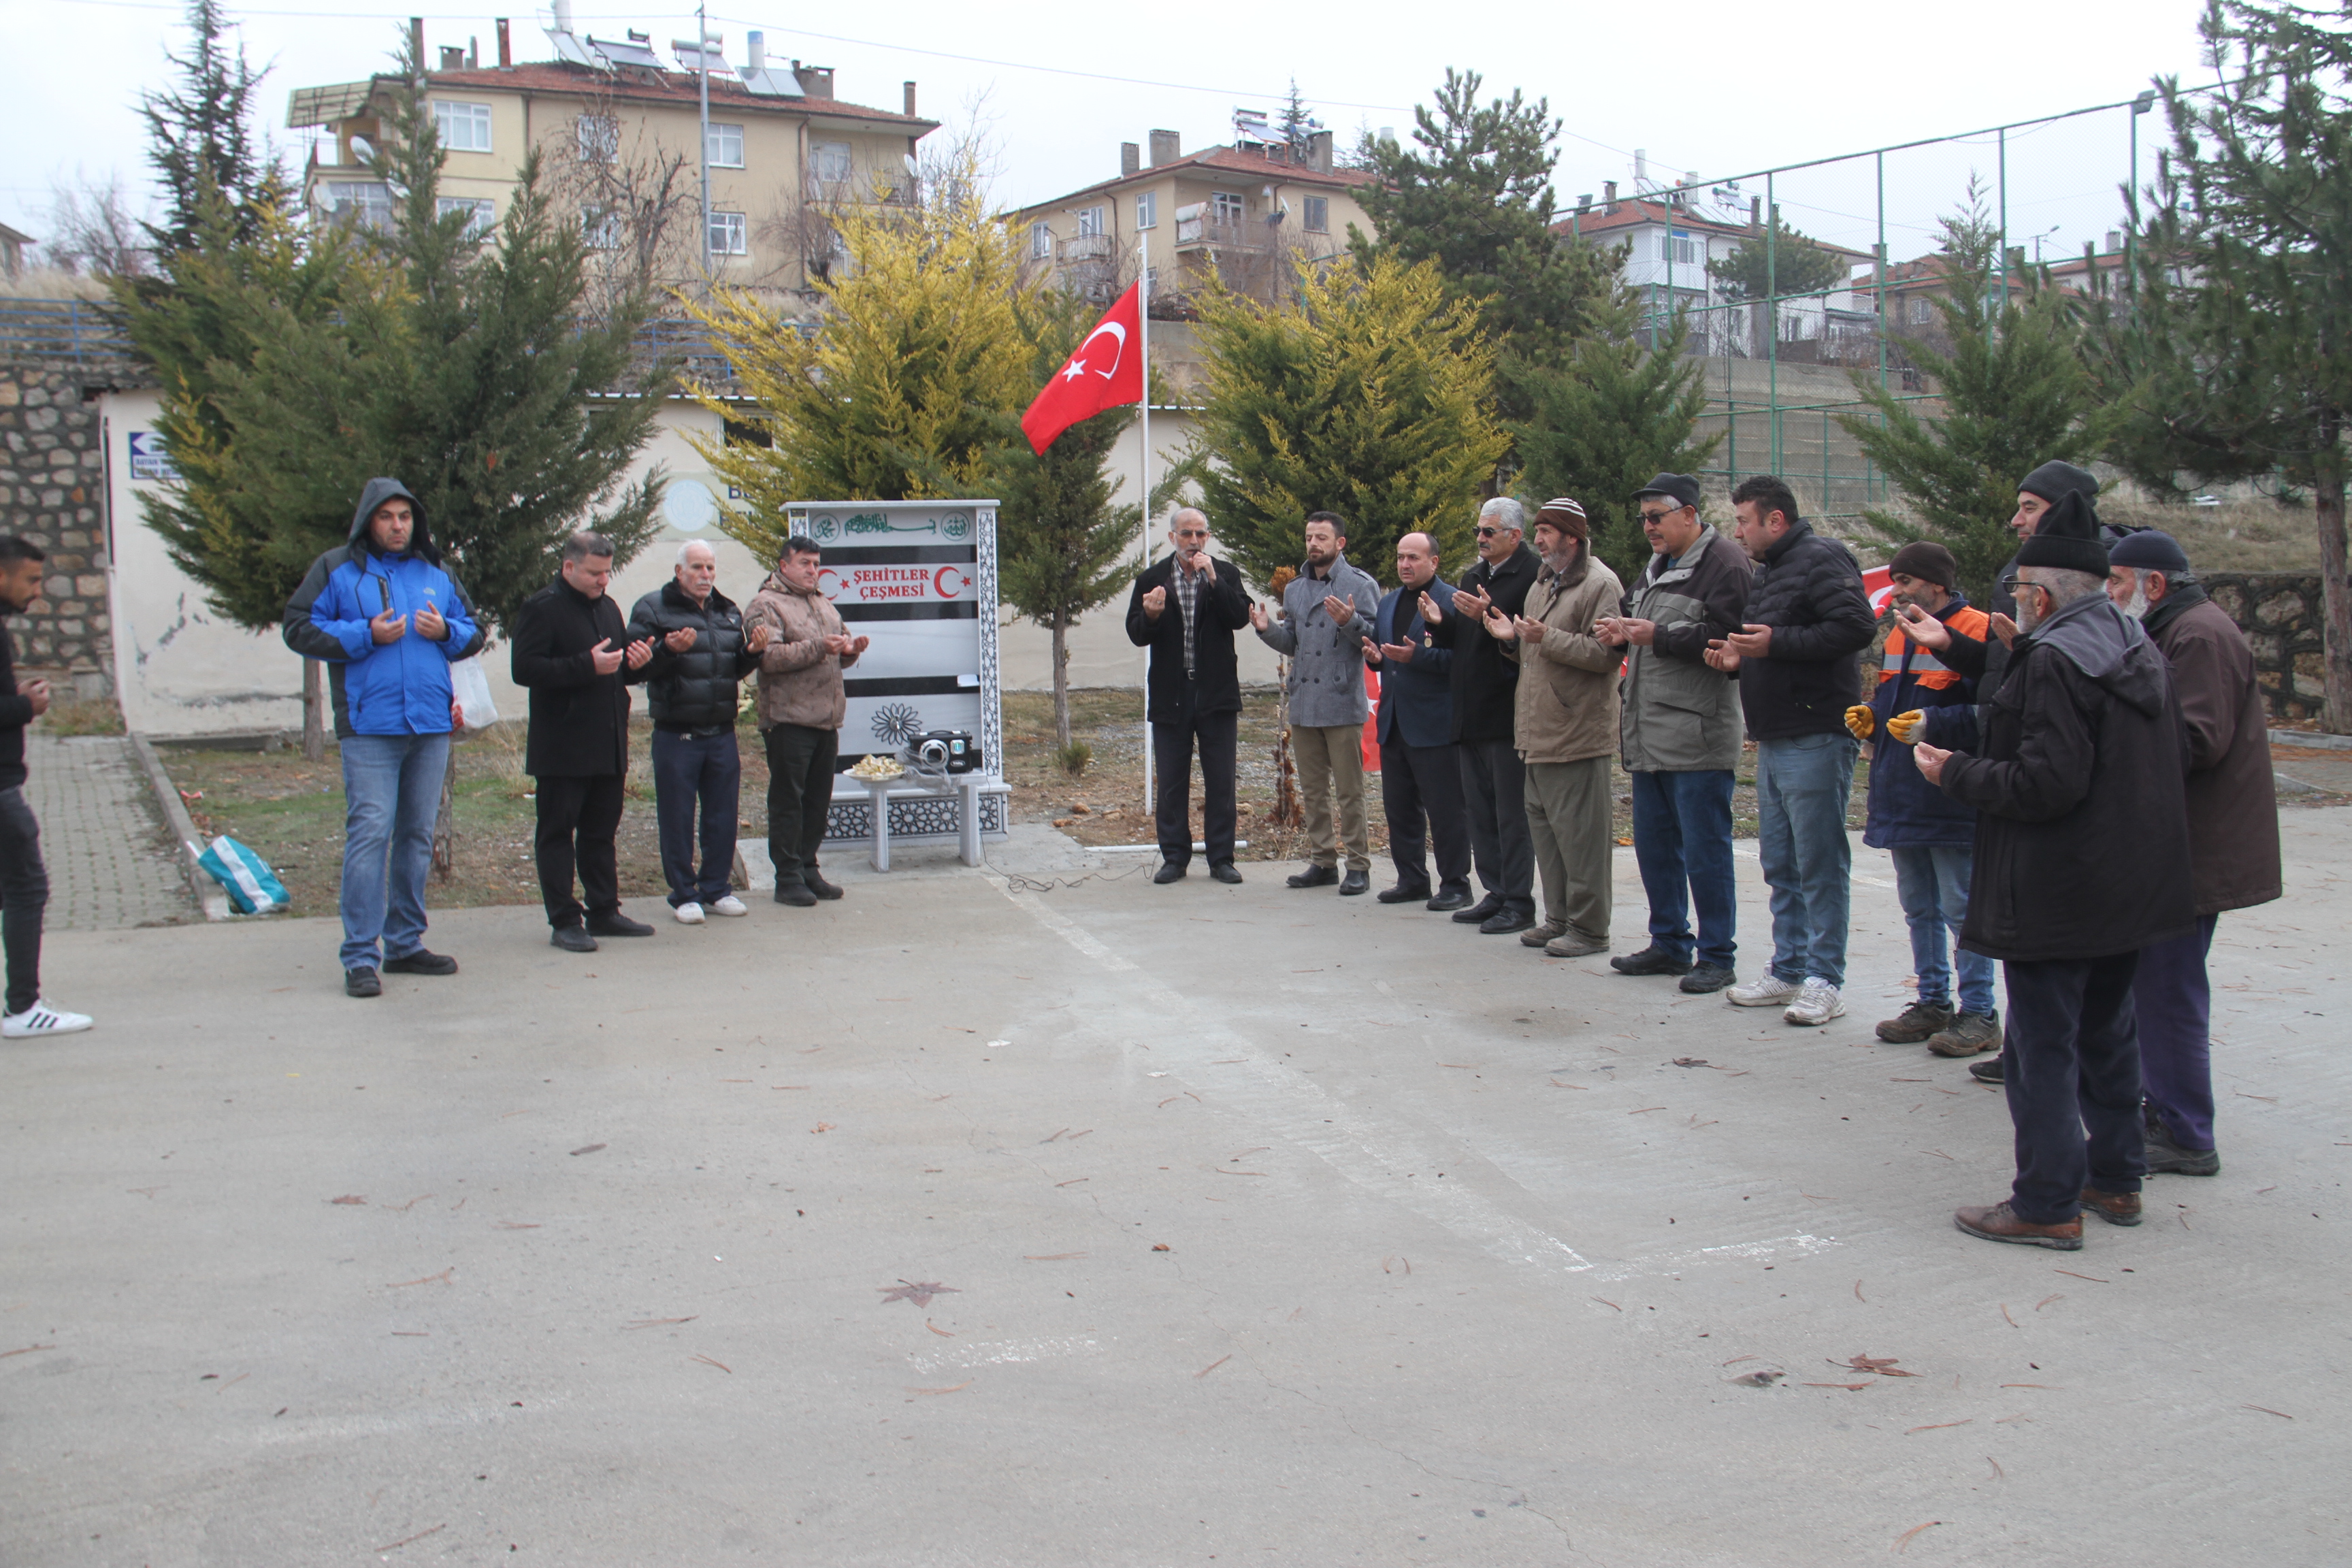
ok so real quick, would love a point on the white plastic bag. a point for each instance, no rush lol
(471, 687)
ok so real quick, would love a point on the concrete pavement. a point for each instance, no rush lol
(110, 863)
(837, 1236)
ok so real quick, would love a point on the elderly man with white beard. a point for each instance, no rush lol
(2082, 859)
(2234, 844)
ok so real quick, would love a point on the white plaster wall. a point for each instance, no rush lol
(184, 670)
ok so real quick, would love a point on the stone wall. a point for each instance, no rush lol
(2284, 615)
(53, 492)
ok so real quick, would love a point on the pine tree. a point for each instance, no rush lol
(2229, 354)
(2013, 396)
(1780, 264)
(1297, 122)
(1369, 398)
(907, 392)
(1474, 195)
(1619, 413)
(200, 136)
(1062, 545)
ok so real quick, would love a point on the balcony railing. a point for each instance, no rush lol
(1088, 248)
(1201, 233)
(60, 329)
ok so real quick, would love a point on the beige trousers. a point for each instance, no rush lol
(1332, 758)
(1569, 818)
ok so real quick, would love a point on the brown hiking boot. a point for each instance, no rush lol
(1968, 1035)
(2115, 1208)
(1542, 932)
(1999, 1223)
(1915, 1022)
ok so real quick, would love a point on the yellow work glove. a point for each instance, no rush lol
(1860, 721)
(1904, 727)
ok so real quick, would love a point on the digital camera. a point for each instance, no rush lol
(952, 750)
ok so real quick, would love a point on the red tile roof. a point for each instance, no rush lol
(670, 87)
(1226, 160)
(1634, 212)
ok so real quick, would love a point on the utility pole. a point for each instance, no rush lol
(2139, 106)
(702, 69)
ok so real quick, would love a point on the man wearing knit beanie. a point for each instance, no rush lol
(2233, 845)
(2082, 860)
(1986, 661)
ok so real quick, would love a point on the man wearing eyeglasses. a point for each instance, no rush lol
(1680, 725)
(1485, 687)
(2082, 860)
(1186, 608)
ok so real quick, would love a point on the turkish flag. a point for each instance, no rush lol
(1106, 372)
(1878, 582)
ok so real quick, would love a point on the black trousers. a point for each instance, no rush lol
(691, 770)
(1420, 782)
(1495, 790)
(24, 894)
(2070, 1063)
(1219, 735)
(800, 791)
(579, 820)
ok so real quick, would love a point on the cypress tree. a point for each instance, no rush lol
(200, 137)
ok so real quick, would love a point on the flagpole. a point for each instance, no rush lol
(1143, 331)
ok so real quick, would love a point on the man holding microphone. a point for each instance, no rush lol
(1185, 607)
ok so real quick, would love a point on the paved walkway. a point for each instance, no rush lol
(111, 867)
(1067, 1221)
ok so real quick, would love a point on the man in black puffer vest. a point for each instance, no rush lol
(701, 654)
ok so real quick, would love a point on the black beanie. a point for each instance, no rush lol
(2067, 537)
(2148, 550)
(2053, 479)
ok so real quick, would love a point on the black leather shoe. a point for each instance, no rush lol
(1313, 876)
(362, 982)
(1986, 1069)
(1400, 894)
(1355, 882)
(1170, 871)
(1704, 978)
(818, 885)
(1651, 960)
(796, 894)
(1483, 909)
(617, 924)
(1223, 872)
(1444, 902)
(1505, 921)
(421, 963)
(572, 939)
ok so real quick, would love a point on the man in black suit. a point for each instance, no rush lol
(1186, 608)
(1420, 768)
(1485, 716)
(571, 652)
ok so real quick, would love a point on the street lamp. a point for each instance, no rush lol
(2139, 106)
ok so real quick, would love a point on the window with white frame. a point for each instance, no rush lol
(600, 138)
(462, 127)
(600, 229)
(1318, 215)
(724, 147)
(1225, 208)
(364, 201)
(1681, 248)
(728, 235)
(1041, 241)
(1147, 210)
(1090, 222)
(831, 161)
(481, 213)
(1919, 311)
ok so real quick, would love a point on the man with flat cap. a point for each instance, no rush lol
(2082, 860)
(2234, 844)
(1680, 725)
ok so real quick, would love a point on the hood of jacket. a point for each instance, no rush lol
(2110, 648)
(378, 492)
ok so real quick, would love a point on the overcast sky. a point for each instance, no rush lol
(1704, 86)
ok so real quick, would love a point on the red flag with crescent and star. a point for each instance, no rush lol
(1107, 371)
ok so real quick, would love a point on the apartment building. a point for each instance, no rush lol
(1238, 212)
(619, 129)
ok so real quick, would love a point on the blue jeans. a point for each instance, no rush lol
(690, 770)
(392, 791)
(1682, 841)
(1932, 883)
(1801, 788)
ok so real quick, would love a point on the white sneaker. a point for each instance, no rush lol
(689, 913)
(730, 906)
(1817, 1003)
(1767, 990)
(40, 1018)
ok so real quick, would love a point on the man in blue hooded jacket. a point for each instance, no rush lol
(387, 620)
